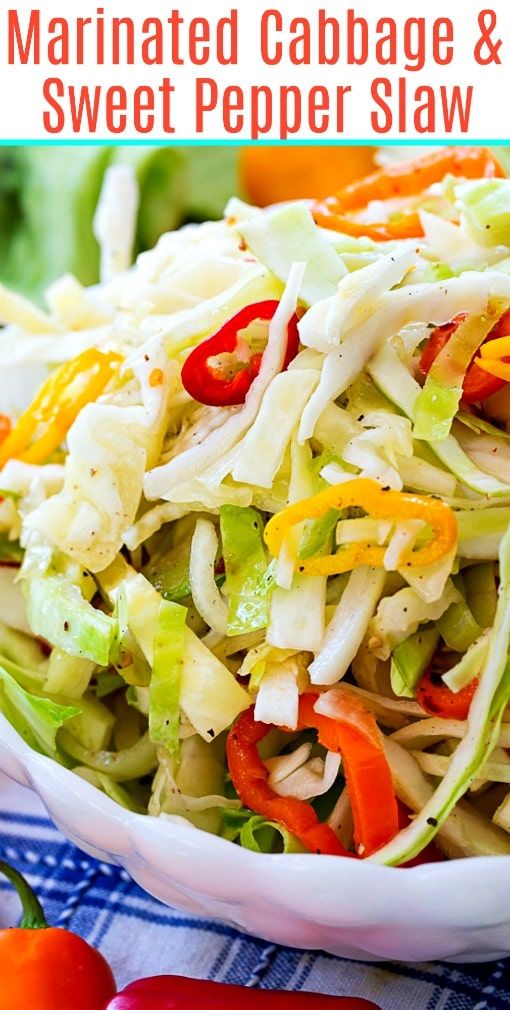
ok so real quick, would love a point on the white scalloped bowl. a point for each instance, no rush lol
(458, 911)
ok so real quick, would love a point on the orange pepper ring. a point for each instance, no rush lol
(382, 505)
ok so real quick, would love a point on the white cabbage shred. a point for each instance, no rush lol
(152, 510)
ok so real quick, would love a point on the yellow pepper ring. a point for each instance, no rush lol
(58, 407)
(497, 348)
(494, 366)
(380, 503)
(491, 355)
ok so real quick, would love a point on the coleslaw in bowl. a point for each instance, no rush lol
(254, 549)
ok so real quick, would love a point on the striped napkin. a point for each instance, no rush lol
(140, 937)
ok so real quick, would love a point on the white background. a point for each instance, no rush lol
(22, 104)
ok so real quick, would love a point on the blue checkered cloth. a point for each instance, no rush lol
(141, 937)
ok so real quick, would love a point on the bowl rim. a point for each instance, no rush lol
(12, 743)
(456, 910)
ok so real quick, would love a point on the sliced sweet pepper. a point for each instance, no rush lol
(437, 699)
(44, 425)
(352, 733)
(489, 372)
(378, 502)
(250, 777)
(5, 427)
(209, 381)
(402, 180)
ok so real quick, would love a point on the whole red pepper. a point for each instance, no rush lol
(48, 969)
(172, 992)
(211, 384)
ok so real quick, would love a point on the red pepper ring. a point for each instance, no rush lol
(207, 384)
(354, 734)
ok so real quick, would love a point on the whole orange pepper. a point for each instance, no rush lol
(48, 969)
(270, 174)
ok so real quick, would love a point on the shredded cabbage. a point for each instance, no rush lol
(206, 595)
(438, 401)
(280, 237)
(482, 733)
(115, 220)
(484, 206)
(143, 609)
(246, 568)
(346, 631)
(165, 685)
(400, 615)
(36, 719)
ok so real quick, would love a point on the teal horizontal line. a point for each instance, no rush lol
(294, 142)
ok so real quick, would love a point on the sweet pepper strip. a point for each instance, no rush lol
(5, 427)
(402, 180)
(381, 504)
(250, 777)
(495, 369)
(209, 382)
(57, 406)
(437, 699)
(481, 380)
(352, 733)
(499, 344)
